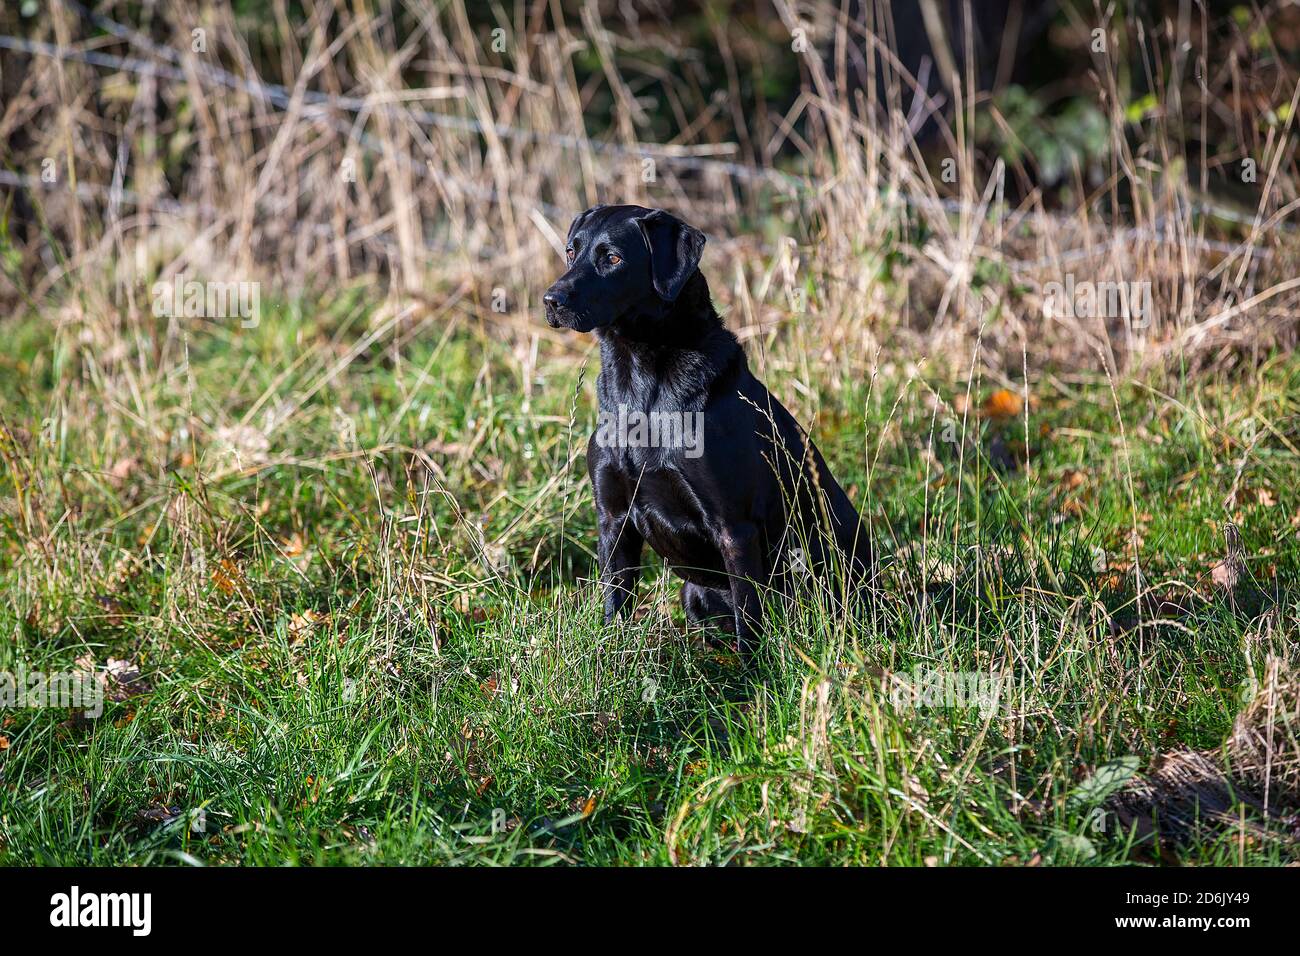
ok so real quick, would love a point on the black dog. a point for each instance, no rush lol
(745, 504)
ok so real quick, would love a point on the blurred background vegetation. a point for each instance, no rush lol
(911, 176)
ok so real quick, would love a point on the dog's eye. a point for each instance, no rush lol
(613, 260)
(568, 254)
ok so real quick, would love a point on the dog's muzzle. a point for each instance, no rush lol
(559, 314)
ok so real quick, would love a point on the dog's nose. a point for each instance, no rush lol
(555, 298)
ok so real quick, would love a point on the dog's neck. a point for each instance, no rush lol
(682, 343)
(690, 323)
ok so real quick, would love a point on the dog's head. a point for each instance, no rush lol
(623, 261)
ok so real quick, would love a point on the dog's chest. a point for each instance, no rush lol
(671, 517)
(649, 429)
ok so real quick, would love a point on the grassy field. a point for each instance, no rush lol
(333, 569)
(350, 554)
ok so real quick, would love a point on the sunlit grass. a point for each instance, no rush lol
(358, 582)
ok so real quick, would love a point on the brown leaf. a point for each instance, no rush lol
(121, 470)
(122, 680)
(1224, 575)
(227, 577)
(1072, 479)
(302, 624)
(1228, 572)
(450, 449)
(158, 814)
(113, 609)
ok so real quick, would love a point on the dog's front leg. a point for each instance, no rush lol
(618, 548)
(742, 554)
(620, 561)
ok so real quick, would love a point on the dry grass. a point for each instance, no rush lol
(470, 151)
(1185, 794)
(1264, 748)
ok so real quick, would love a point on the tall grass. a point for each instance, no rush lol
(451, 151)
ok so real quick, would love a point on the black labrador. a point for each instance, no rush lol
(693, 455)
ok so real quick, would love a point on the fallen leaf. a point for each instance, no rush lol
(227, 577)
(1224, 575)
(451, 449)
(121, 470)
(303, 623)
(1072, 479)
(158, 814)
(1002, 404)
(113, 608)
(122, 680)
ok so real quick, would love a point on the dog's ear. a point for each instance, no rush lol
(580, 219)
(675, 250)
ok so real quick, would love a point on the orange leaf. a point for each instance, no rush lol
(301, 625)
(1002, 404)
(226, 576)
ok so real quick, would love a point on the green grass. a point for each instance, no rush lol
(388, 648)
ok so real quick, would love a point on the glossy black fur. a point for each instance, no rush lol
(728, 522)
